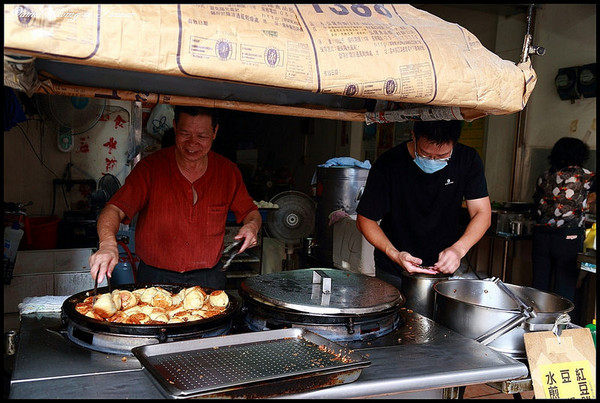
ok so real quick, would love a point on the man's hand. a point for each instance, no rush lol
(448, 260)
(410, 263)
(249, 231)
(106, 257)
(104, 260)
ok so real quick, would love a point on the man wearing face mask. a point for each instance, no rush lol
(416, 189)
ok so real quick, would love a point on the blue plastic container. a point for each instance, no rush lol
(122, 274)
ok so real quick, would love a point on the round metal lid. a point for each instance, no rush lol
(306, 290)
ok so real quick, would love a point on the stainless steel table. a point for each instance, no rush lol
(419, 359)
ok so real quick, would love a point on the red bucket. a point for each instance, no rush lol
(41, 233)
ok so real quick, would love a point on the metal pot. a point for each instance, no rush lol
(473, 308)
(417, 289)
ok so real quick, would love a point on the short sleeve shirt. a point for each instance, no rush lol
(171, 231)
(419, 212)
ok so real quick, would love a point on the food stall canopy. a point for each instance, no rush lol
(337, 61)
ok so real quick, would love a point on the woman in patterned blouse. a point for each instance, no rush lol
(561, 199)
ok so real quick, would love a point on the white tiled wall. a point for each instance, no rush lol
(48, 272)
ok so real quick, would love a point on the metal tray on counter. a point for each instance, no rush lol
(250, 365)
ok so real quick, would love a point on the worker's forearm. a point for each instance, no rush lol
(374, 234)
(475, 230)
(253, 219)
(108, 224)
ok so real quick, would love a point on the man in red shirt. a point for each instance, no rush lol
(182, 195)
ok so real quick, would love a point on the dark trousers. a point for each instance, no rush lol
(208, 278)
(554, 259)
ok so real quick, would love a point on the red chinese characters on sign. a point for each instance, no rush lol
(111, 144)
(84, 147)
(119, 121)
(110, 164)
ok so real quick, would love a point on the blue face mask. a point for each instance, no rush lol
(427, 165)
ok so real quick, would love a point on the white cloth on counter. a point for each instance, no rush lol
(47, 303)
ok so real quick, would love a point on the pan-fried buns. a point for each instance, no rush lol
(195, 288)
(162, 299)
(118, 317)
(218, 298)
(128, 299)
(138, 318)
(83, 307)
(148, 294)
(147, 309)
(194, 299)
(191, 318)
(154, 305)
(175, 320)
(159, 317)
(178, 298)
(172, 310)
(132, 310)
(138, 292)
(105, 306)
(93, 315)
(116, 297)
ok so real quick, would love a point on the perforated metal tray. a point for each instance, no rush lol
(255, 364)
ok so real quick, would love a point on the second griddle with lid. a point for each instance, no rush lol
(351, 293)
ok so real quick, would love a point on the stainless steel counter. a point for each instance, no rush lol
(420, 359)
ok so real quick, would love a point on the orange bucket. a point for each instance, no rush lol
(41, 232)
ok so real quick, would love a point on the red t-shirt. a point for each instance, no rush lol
(171, 233)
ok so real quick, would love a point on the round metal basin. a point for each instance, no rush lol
(474, 307)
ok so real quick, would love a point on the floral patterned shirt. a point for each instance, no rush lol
(561, 196)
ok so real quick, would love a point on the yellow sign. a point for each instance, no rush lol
(567, 380)
(562, 367)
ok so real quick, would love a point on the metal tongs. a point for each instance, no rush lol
(96, 288)
(526, 312)
(233, 255)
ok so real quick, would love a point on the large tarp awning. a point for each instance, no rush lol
(322, 60)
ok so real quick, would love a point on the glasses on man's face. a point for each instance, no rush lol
(446, 159)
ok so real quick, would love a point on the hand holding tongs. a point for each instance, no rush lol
(233, 255)
(96, 287)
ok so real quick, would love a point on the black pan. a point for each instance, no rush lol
(163, 330)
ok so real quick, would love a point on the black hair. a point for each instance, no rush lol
(568, 151)
(438, 131)
(197, 110)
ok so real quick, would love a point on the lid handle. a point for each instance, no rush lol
(319, 276)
